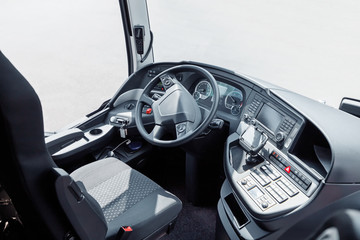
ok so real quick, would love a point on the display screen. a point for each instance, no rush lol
(256, 192)
(269, 117)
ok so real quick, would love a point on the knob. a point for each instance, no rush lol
(247, 118)
(279, 137)
(113, 119)
(243, 181)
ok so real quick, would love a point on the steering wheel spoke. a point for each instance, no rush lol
(157, 133)
(146, 99)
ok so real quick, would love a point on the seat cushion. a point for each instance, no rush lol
(128, 198)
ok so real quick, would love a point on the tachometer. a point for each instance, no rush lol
(202, 90)
(234, 101)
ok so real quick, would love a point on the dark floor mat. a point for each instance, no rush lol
(194, 222)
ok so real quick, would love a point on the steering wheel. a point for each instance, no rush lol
(176, 112)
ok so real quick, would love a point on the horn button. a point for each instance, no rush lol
(175, 106)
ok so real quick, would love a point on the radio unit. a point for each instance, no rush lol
(277, 123)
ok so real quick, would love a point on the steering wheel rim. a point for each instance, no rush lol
(187, 120)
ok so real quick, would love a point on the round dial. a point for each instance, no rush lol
(202, 90)
(196, 95)
(235, 110)
(234, 102)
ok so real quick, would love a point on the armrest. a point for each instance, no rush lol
(62, 139)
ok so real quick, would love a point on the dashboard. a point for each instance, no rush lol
(281, 149)
(231, 97)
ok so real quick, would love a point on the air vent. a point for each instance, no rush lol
(254, 105)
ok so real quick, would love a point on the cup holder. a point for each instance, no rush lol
(95, 131)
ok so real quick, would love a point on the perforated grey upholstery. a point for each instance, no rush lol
(127, 197)
(33, 180)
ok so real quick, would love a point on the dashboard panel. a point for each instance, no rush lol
(300, 155)
(231, 98)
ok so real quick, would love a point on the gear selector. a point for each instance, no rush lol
(252, 141)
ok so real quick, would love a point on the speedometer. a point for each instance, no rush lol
(202, 90)
(234, 101)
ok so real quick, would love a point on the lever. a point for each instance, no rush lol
(216, 124)
(252, 141)
(254, 151)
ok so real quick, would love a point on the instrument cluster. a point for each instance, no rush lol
(231, 98)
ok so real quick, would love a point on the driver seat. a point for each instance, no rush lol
(96, 201)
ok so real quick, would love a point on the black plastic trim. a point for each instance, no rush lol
(124, 9)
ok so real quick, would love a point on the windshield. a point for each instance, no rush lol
(310, 47)
(72, 53)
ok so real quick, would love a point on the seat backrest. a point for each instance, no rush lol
(25, 164)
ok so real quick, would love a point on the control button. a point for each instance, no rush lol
(181, 127)
(287, 187)
(148, 111)
(274, 171)
(260, 177)
(167, 82)
(247, 182)
(306, 186)
(270, 171)
(276, 193)
(265, 202)
(279, 137)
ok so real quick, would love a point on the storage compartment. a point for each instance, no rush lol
(313, 149)
(238, 213)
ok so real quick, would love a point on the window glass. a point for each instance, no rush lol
(310, 47)
(72, 53)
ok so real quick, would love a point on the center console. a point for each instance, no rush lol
(263, 178)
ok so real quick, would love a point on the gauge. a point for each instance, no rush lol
(202, 90)
(196, 95)
(234, 101)
(235, 110)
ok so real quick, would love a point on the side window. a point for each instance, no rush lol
(72, 52)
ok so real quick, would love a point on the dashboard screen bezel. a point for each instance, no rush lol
(266, 117)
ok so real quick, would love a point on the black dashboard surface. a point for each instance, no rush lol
(334, 127)
(310, 147)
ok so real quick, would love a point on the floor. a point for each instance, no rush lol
(194, 222)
